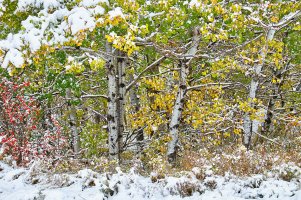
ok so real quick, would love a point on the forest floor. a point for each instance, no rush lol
(32, 183)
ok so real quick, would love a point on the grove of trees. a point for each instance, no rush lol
(95, 78)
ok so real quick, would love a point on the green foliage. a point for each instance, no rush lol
(93, 140)
(10, 19)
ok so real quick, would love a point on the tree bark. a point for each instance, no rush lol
(73, 127)
(121, 65)
(180, 100)
(279, 74)
(136, 105)
(251, 125)
(177, 113)
(116, 100)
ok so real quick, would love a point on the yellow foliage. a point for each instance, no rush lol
(124, 43)
(246, 107)
(237, 131)
(274, 19)
(75, 68)
(297, 27)
(97, 64)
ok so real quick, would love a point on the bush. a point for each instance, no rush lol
(20, 132)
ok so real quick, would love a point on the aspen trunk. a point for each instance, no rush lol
(279, 74)
(180, 100)
(249, 125)
(116, 92)
(121, 64)
(136, 105)
(269, 116)
(112, 106)
(177, 113)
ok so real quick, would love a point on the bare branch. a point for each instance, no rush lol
(97, 53)
(207, 85)
(287, 19)
(158, 61)
(93, 96)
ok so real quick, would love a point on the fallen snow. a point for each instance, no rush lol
(25, 184)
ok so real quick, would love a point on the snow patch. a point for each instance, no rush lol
(14, 57)
(46, 4)
(87, 184)
(194, 3)
(117, 12)
(80, 19)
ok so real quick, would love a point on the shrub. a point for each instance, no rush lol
(20, 132)
(186, 189)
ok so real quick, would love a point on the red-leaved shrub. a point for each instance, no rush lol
(21, 135)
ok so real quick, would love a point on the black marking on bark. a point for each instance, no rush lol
(110, 118)
(175, 126)
(183, 86)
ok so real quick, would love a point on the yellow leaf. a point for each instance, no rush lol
(274, 19)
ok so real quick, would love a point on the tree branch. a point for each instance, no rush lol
(130, 85)
(207, 85)
(93, 96)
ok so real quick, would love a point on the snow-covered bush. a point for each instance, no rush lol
(286, 172)
(21, 135)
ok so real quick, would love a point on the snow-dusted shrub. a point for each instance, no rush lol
(210, 183)
(198, 173)
(156, 177)
(287, 172)
(21, 135)
(59, 180)
(187, 188)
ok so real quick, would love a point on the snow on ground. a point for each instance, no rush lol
(26, 184)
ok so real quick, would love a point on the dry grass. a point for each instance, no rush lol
(238, 161)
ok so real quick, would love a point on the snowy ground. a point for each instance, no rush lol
(26, 184)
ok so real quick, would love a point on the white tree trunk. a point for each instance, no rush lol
(177, 113)
(180, 101)
(251, 125)
(112, 107)
(121, 65)
(116, 101)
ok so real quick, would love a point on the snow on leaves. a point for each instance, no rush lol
(49, 28)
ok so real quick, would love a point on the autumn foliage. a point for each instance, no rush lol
(21, 135)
